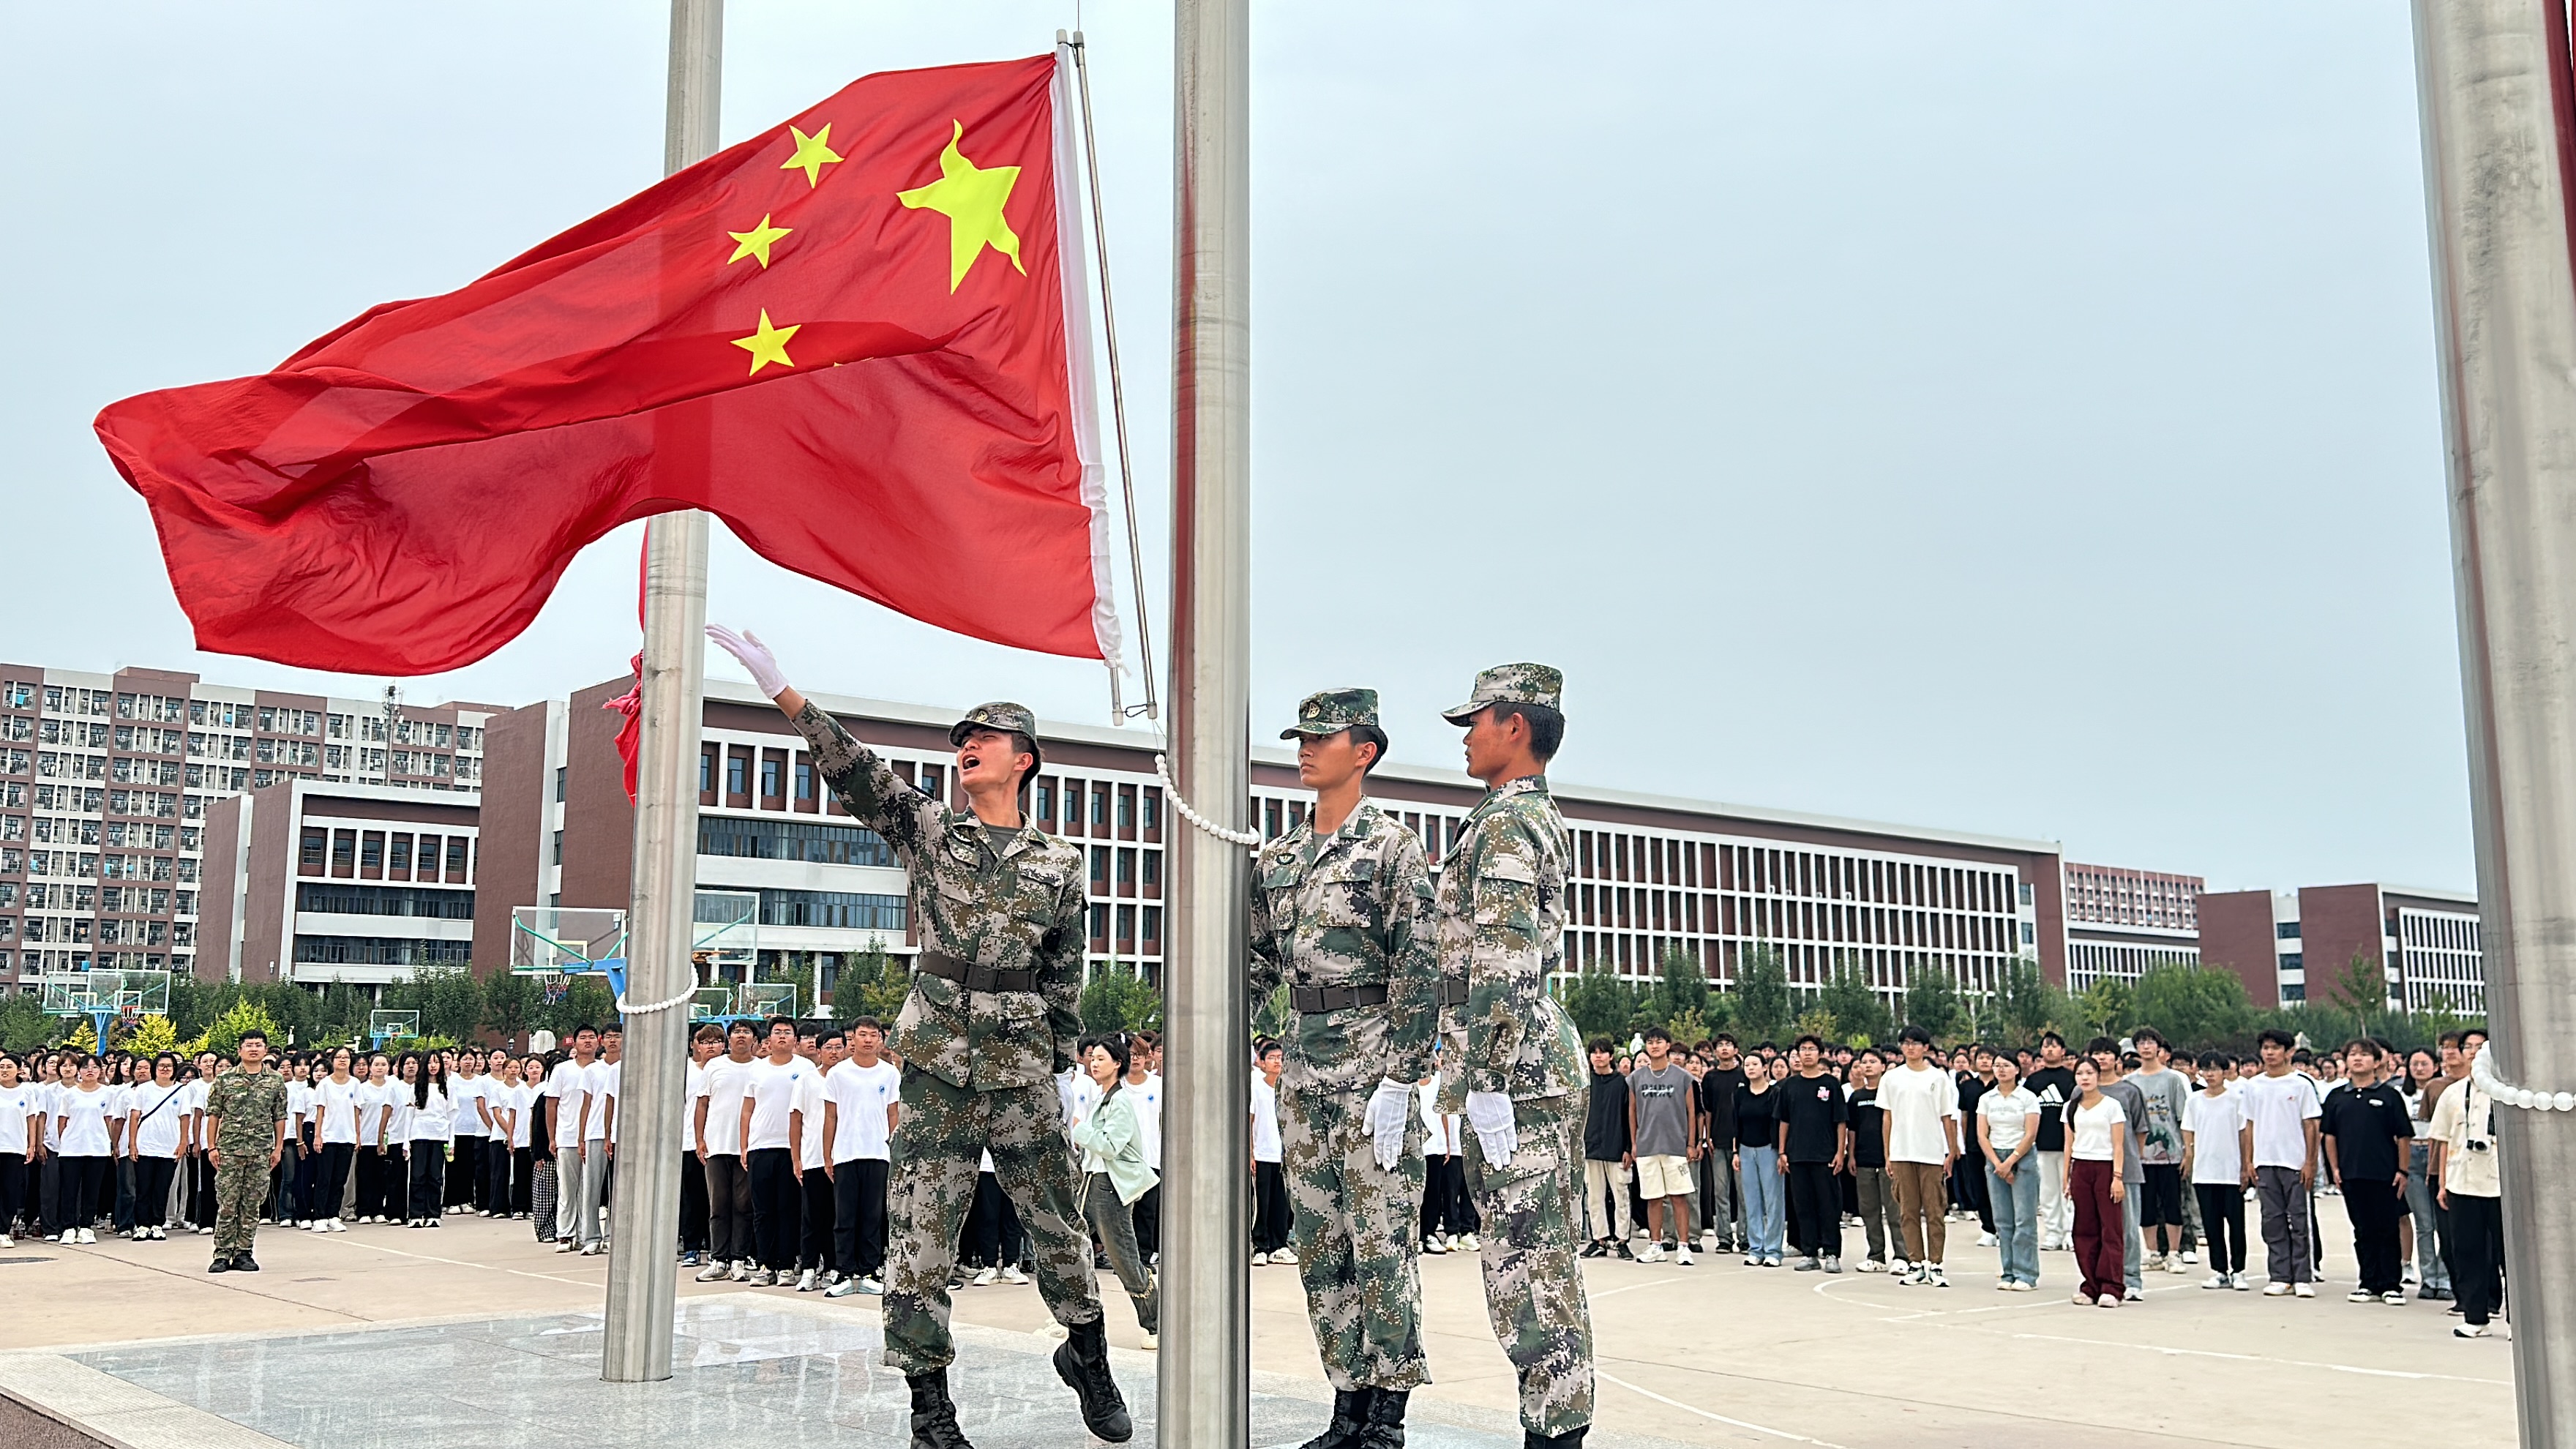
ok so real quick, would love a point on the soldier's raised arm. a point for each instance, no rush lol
(869, 788)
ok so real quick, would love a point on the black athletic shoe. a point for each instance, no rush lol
(1350, 1416)
(1571, 1439)
(220, 1265)
(1082, 1361)
(1595, 1249)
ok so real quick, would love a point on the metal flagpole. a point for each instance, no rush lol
(2505, 301)
(645, 1217)
(1204, 1380)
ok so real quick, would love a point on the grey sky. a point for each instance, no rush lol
(2010, 417)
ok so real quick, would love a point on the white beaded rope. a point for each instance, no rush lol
(625, 1010)
(2513, 1096)
(1248, 839)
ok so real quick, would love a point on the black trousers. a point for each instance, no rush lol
(1270, 1211)
(728, 1208)
(498, 1161)
(2375, 1207)
(2477, 1265)
(814, 1240)
(201, 1191)
(693, 1206)
(2222, 1223)
(773, 1207)
(332, 1179)
(859, 1216)
(428, 1181)
(380, 1182)
(1147, 1213)
(465, 1175)
(1446, 1207)
(1818, 1218)
(124, 1193)
(991, 1235)
(46, 1187)
(152, 1177)
(13, 1190)
(81, 1177)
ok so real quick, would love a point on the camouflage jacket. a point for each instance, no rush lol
(1501, 922)
(1021, 909)
(1350, 910)
(248, 1107)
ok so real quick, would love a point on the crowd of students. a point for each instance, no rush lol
(2132, 1159)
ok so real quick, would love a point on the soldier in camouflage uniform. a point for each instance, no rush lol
(989, 1021)
(1511, 1058)
(1343, 916)
(248, 1108)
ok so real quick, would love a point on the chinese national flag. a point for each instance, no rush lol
(859, 338)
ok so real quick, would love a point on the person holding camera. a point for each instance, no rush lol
(2464, 1162)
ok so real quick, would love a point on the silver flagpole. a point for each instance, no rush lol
(1204, 1378)
(2505, 301)
(645, 1217)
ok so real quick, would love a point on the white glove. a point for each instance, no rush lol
(1490, 1113)
(754, 656)
(1389, 1108)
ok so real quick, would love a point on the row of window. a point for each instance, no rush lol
(374, 850)
(820, 844)
(380, 951)
(350, 899)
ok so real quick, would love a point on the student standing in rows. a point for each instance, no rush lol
(2105, 1055)
(1663, 1123)
(1919, 1104)
(1606, 1154)
(1873, 1191)
(815, 1202)
(598, 1104)
(769, 1149)
(2283, 1106)
(470, 1132)
(1722, 1216)
(568, 1093)
(544, 1194)
(1815, 1143)
(719, 1142)
(198, 1198)
(2097, 1139)
(2218, 1152)
(1447, 1215)
(2424, 1083)
(1115, 1176)
(431, 1126)
(1271, 1213)
(2164, 1093)
(296, 1206)
(2366, 1131)
(1757, 1166)
(2052, 1081)
(378, 1159)
(860, 1100)
(80, 1123)
(21, 1137)
(2007, 1133)
(336, 1103)
(2464, 1159)
(152, 1138)
(492, 1111)
(1145, 1097)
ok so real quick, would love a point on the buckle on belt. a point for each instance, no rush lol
(1453, 993)
(974, 975)
(1313, 1000)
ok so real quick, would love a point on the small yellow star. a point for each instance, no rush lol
(972, 198)
(767, 345)
(812, 155)
(755, 243)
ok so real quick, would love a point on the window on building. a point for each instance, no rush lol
(791, 840)
(314, 843)
(400, 854)
(558, 847)
(560, 772)
(456, 855)
(1100, 805)
(737, 773)
(804, 778)
(1127, 868)
(344, 849)
(1100, 923)
(1126, 807)
(773, 778)
(2293, 961)
(839, 910)
(1153, 809)
(1153, 867)
(1046, 803)
(2285, 930)
(371, 851)
(707, 770)
(1153, 937)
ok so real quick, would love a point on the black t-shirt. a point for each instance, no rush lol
(1971, 1088)
(1605, 1118)
(2370, 1127)
(1757, 1119)
(2054, 1087)
(1869, 1135)
(1811, 1108)
(1718, 1089)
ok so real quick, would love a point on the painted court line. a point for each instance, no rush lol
(461, 1263)
(2341, 1368)
(1718, 1418)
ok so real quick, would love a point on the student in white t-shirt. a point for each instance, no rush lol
(1144, 1093)
(815, 1205)
(429, 1127)
(769, 1150)
(20, 1136)
(469, 1132)
(861, 1097)
(705, 1045)
(1271, 1214)
(377, 1179)
(599, 1083)
(2218, 1153)
(199, 1195)
(80, 1120)
(718, 1118)
(154, 1141)
(1919, 1126)
(2096, 1150)
(568, 1093)
(336, 1109)
(2284, 1108)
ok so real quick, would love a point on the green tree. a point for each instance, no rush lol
(224, 1037)
(2197, 1009)
(24, 1026)
(195, 1004)
(1600, 1002)
(1681, 989)
(510, 1004)
(870, 983)
(1763, 1007)
(448, 998)
(2105, 1008)
(1117, 999)
(291, 1006)
(2025, 1004)
(587, 999)
(2361, 990)
(343, 1014)
(797, 969)
(1932, 1000)
(1859, 1016)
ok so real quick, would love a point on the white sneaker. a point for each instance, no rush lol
(1872, 1265)
(1985, 1240)
(89, 1237)
(741, 1272)
(842, 1289)
(1471, 1242)
(568, 1245)
(7, 1242)
(1259, 1260)
(1284, 1255)
(2408, 1274)
(2022, 1287)
(2469, 1330)
(2277, 1289)
(1153, 1341)
(715, 1272)
(2215, 1280)
(1435, 1244)
(1011, 1272)
(2361, 1295)
(2191, 1255)
(2180, 1262)
(2397, 1299)
(872, 1287)
(764, 1279)
(2155, 1263)
(1651, 1253)
(1681, 1254)
(805, 1281)
(1899, 1266)
(2305, 1290)
(986, 1278)
(2240, 1282)
(591, 1249)
(1936, 1277)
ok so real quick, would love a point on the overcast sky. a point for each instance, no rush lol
(2005, 417)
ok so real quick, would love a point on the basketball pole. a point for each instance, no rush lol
(644, 1218)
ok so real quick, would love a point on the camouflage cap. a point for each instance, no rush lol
(1331, 711)
(1511, 684)
(1001, 714)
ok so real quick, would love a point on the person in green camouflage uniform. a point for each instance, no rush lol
(1512, 1060)
(1344, 918)
(990, 1019)
(248, 1107)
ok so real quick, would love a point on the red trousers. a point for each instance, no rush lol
(2099, 1230)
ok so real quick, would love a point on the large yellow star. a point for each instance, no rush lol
(755, 243)
(812, 155)
(767, 345)
(972, 198)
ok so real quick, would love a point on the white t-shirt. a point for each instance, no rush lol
(433, 1123)
(809, 1101)
(393, 1107)
(2089, 1130)
(694, 1083)
(721, 1088)
(773, 1092)
(2007, 1115)
(120, 1108)
(158, 1136)
(2215, 1123)
(570, 1086)
(1916, 1104)
(84, 1129)
(17, 1104)
(2279, 1108)
(599, 1085)
(860, 1096)
(299, 1104)
(1440, 1137)
(192, 1100)
(1265, 1121)
(463, 1094)
(336, 1105)
(41, 1097)
(1146, 1098)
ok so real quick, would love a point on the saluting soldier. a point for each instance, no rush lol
(1511, 1057)
(246, 1113)
(1341, 911)
(991, 1017)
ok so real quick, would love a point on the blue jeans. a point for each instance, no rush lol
(1765, 1209)
(2016, 1208)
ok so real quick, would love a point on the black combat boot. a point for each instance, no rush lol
(1350, 1415)
(1385, 1426)
(220, 1265)
(934, 1418)
(245, 1263)
(1082, 1361)
(1571, 1439)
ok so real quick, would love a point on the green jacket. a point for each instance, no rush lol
(1110, 1141)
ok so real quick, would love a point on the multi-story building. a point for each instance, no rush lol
(2422, 945)
(1652, 875)
(2121, 923)
(314, 882)
(106, 781)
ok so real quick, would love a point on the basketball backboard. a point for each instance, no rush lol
(712, 1003)
(727, 927)
(384, 1026)
(554, 940)
(765, 999)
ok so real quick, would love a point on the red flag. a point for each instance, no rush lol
(859, 338)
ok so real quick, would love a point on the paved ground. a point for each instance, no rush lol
(1712, 1354)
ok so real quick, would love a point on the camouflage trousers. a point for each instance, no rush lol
(241, 1190)
(943, 1132)
(1354, 1230)
(1533, 1219)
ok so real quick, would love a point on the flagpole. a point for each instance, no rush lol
(645, 1215)
(1204, 1379)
